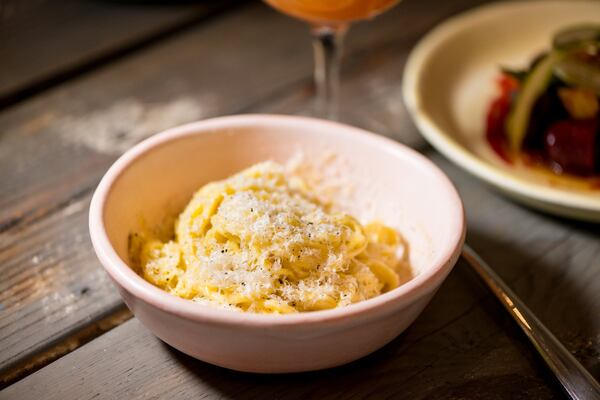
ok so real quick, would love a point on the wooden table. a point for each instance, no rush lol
(80, 81)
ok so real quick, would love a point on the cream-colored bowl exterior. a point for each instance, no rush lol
(278, 348)
(153, 181)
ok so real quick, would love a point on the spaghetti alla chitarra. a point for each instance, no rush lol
(259, 242)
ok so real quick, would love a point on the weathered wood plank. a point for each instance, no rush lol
(86, 123)
(46, 42)
(49, 284)
(462, 346)
(66, 138)
(79, 334)
(472, 356)
(551, 263)
(55, 148)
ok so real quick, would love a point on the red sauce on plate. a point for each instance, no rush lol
(497, 114)
(497, 138)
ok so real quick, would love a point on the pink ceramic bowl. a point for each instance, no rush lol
(382, 179)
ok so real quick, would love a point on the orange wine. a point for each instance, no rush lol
(332, 12)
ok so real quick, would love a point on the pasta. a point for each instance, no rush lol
(260, 242)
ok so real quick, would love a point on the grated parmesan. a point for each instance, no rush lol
(260, 242)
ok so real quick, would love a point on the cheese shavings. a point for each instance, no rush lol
(259, 242)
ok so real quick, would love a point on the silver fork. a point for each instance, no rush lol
(575, 379)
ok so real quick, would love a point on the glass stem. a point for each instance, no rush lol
(327, 44)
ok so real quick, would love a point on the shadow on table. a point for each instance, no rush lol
(570, 223)
(463, 346)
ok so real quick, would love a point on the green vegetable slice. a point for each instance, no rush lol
(577, 36)
(578, 73)
(534, 85)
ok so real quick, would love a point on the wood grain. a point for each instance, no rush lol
(551, 263)
(57, 145)
(78, 336)
(52, 287)
(46, 42)
(54, 148)
(462, 346)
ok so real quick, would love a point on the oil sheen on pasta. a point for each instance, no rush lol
(260, 242)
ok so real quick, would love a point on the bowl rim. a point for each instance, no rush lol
(424, 283)
(445, 143)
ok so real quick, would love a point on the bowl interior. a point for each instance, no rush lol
(462, 59)
(373, 178)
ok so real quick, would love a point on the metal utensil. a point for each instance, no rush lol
(576, 380)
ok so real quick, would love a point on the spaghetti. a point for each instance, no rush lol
(260, 242)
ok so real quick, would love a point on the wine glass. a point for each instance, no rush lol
(329, 20)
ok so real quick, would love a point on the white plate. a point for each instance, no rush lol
(449, 83)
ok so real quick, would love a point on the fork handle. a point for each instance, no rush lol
(575, 379)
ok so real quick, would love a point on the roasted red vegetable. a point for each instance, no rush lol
(572, 146)
(548, 114)
(496, 117)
